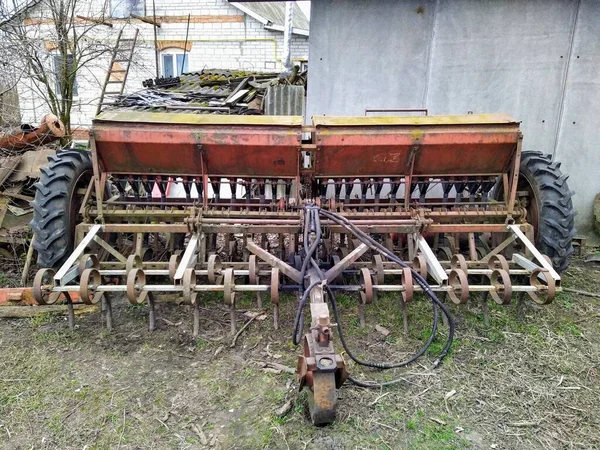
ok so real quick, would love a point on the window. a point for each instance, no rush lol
(121, 9)
(58, 74)
(171, 64)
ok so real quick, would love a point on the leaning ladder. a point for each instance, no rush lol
(122, 55)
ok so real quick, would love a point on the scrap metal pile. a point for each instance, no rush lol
(22, 151)
(448, 207)
(209, 92)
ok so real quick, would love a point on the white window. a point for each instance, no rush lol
(121, 9)
(174, 63)
(59, 81)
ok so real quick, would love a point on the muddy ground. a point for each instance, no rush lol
(517, 384)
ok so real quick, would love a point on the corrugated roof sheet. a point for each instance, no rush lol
(211, 91)
(275, 12)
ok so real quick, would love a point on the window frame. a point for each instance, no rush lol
(174, 53)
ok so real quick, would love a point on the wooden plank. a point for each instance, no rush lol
(20, 312)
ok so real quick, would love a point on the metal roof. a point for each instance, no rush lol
(273, 13)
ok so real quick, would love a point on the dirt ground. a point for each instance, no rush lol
(517, 384)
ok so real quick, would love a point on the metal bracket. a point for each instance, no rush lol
(267, 257)
(534, 251)
(337, 270)
(433, 265)
(64, 275)
(189, 258)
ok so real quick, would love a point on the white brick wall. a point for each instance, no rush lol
(228, 45)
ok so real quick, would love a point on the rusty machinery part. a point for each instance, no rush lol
(275, 285)
(56, 205)
(133, 262)
(174, 261)
(42, 287)
(500, 279)
(214, 268)
(88, 260)
(419, 265)
(406, 279)
(50, 129)
(468, 206)
(136, 280)
(378, 263)
(498, 262)
(311, 218)
(189, 283)
(458, 261)
(88, 284)
(367, 286)
(545, 287)
(459, 286)
(228, 286)
(252, 269)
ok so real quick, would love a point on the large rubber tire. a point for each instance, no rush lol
(550, 208)
(56, 205)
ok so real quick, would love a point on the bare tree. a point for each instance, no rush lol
(52, 42)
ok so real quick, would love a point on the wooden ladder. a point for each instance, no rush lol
(121, 56)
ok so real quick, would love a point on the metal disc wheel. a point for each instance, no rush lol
(42, 287)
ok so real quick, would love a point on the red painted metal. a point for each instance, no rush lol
(174, 149)
(382, 147)
(24, 296)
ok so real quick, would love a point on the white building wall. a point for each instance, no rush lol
(215, 43)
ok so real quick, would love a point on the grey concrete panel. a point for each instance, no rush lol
(368, 54)
(503, 56)
(452, 56)
(579, 138)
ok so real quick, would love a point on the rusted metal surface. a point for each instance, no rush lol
(198, 145)
(217, 242)
(420, 146)
(50, 129)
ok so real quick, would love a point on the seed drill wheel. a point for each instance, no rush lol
(56, 206)
(42, 287)
(549, 206)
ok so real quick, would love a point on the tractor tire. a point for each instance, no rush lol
(56, 205)
(549, 208)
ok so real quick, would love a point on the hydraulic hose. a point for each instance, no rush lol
(312, 212)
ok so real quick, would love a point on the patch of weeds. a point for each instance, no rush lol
(248, 372)
(565, 300)
(411, 424)
(345, 301)
(40, 319)
(245, 301)
(48, 337)
(568, 328)
(275, 396)
(137, 306)
(201, 343)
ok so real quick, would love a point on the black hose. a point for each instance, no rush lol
(308, 221)
(312, 212)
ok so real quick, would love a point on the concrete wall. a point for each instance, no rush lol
(537, 60)
(221, 37)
